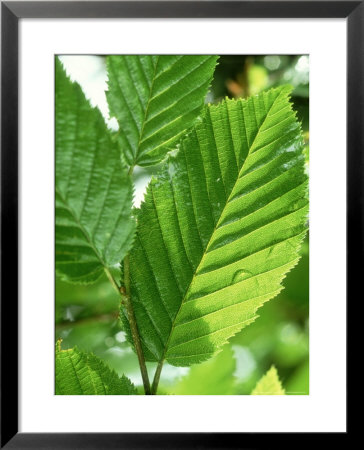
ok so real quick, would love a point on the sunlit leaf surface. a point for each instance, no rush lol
(219, 228)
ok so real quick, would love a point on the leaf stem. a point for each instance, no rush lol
(132, 319)
(112, 280)
(126, 301)
(131, 169)
(157, 376)
(133, 325)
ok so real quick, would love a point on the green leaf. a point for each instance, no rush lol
(219, 228)
(79, 373)
(155, 99)
(213, 377)
(269, 384)
(94, 226)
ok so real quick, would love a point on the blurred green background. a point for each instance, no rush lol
(87, 316)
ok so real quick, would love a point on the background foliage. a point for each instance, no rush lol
(87, 316)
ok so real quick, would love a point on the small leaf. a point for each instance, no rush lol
(155, 99)
(94, 225)
(79, 373)
(219, 228)
(269, 384)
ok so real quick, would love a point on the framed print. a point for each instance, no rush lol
(181, 221)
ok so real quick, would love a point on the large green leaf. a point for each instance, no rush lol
(269, 384)
(219, 228)
(79, 373)
(155, 99)
(94, 227)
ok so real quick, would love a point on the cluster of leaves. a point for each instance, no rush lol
(80, 373)
(220, 226)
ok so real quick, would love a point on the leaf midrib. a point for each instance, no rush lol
(214, 230)
(146, 112)
(141, 138)
(75, 372)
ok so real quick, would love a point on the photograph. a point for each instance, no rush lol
(181, 217)
(181, 224)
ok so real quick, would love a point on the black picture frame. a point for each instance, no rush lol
(11, 12)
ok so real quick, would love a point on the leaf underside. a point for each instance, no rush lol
(79, 373)
(269, 384)
(219, 228)
(94, 227)
(155, 98)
